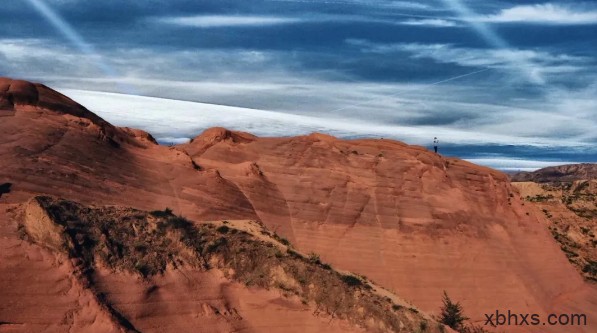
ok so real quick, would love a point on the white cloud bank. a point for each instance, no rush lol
(432, 22)
(173, 121)
(548, 13)
(166, 118)
(218, 21)
(536, 64)
(232, 21)
(513, 164)
(540, 14)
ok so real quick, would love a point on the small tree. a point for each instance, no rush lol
(452, 314)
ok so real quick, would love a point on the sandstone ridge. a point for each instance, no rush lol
(562, 173)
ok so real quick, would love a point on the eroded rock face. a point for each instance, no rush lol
(367, 182)
(14, 93)
(23, 96)
(411, 220)
(41, 227)
(63, 149)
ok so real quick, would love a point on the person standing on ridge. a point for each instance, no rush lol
(435, 143)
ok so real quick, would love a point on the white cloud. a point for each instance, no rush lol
(172, 121)
(40, 58)
(221, 21)
(441, 23)
(20, 49)
(400, 5)
(180, 119)
(543, 14)
(538, 64)
(513, 164)
(217, 21)
(172, 140)
(383, 4)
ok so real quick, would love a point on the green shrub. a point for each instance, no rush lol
(452, 314)
(590, 268)
(162, 213)
(281, 239)
(223, 229)
(326, 266)
(293, 253)
(178, 222)
(351, 281)
(423, 326)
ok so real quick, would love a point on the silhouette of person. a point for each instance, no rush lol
(435, 144)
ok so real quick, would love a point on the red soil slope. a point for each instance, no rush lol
(59, 147)
(411, 220)
(52, 145)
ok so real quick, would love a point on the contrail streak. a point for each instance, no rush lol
(458, 77)
(527, 68)
(75, 38)
(422, 87)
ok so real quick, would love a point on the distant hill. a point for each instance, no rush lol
(571, 209)
(562, 173)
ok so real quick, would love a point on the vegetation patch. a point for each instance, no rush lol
(571, 207)
(452, 315)
(539, 198)
(149, 243)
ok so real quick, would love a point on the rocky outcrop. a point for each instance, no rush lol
(19, 94)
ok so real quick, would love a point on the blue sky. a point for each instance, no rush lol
(510, 84)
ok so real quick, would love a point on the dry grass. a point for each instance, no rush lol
(149, 243)
(571, 208)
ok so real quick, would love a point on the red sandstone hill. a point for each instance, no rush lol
(561, 173)
(412, 221)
